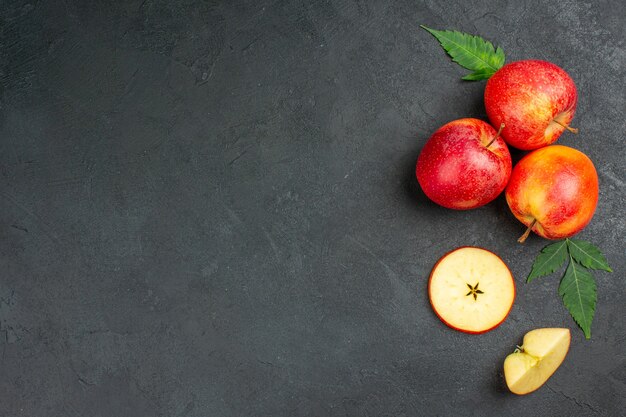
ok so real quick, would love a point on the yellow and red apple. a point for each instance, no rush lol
(471, 289)
(464, 165)
(553, 191)
(536, 101)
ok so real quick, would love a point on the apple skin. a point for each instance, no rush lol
(528, 96)
(447, 323)
(558, 187)
(457, 170)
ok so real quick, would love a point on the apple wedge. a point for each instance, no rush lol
(530, 366)
(471, 290)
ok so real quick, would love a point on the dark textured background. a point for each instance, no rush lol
(209, 209)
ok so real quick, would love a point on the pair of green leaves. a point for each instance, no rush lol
(577, 287)
(471, 52)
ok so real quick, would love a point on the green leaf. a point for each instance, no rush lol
(549, 260)
(478, 75)
(587, 255)
(578, 290)
(471, 52)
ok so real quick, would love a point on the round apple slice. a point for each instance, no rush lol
(471, 290)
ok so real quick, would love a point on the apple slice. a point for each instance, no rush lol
(530, 366)
(471, 290)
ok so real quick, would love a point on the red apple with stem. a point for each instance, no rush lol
(464, 165)
(553, 191)
(536, 101)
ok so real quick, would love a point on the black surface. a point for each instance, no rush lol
(209, 209)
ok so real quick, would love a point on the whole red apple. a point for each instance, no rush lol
(465, 164)
(535, 100)
(553, 191)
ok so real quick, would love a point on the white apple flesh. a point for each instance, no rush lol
(540, 355)
(471, 290)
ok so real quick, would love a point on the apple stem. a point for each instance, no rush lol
(571, 129)
(497, 135)
(522, 239)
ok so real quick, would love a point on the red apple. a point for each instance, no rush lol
(465, 164)
(471, 290)
(553, 191)
(535, 100)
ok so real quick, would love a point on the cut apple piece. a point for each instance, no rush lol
(471, 290)
(530, 366)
